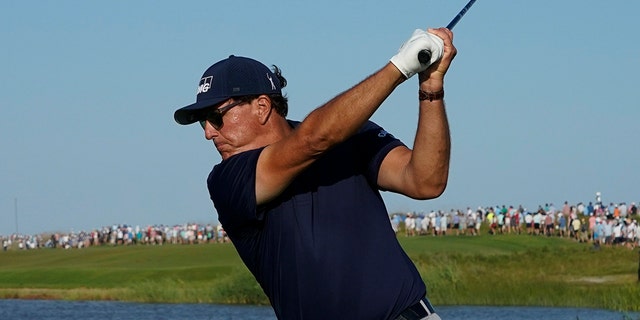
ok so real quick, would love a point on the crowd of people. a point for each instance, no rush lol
(118, 235)
(598, 224)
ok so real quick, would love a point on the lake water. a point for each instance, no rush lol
(106, 310)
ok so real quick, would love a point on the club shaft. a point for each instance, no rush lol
(424, 56)
(460, 14)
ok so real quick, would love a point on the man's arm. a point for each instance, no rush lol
(337, 120)
(322, 129)
(422, 173)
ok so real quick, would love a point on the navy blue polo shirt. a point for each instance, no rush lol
(323, 249)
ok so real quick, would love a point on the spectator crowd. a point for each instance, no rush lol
(598, 224)
(119, 235)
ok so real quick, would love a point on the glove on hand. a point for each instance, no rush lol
(406, 60)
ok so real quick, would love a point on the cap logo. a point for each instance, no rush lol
(205, 84)
(273, 86)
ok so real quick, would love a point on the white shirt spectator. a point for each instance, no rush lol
(623, 210)
(425, 224)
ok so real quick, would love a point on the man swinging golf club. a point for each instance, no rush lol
(301, 200)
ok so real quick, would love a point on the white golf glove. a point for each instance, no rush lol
(406, 60)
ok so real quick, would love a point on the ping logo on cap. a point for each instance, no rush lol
(205, 84)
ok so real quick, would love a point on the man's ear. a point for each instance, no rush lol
(264, 108)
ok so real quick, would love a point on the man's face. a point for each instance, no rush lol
(228, 127)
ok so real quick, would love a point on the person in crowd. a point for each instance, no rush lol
(471, 224)
(537, 221)
(409, 225)
(562, 226)
(548, 224)
(575, 229)
(608, 231)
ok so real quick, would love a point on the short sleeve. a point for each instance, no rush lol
(231, 186)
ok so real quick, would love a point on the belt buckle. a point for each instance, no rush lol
(417, 311)
(427, 306)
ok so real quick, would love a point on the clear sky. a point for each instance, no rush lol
(542, 99)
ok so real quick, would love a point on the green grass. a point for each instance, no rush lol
(170, 273)
(482, 270)
(523, 270)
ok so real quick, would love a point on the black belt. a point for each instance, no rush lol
(420, 310)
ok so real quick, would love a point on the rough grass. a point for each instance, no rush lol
(483, 270)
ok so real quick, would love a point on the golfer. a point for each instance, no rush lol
(292, 196)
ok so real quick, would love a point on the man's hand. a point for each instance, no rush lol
(431, 79)
(406, 60)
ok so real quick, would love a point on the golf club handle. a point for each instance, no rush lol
(424, 56)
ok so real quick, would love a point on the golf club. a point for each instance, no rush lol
(424, 56)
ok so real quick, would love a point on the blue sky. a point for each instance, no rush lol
(542, 99)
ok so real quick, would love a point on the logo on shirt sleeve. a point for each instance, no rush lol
(383, 134)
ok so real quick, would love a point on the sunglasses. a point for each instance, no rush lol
(214, 116)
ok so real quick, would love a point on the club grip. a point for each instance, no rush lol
(424, 56)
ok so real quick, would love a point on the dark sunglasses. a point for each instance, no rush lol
(215, 115)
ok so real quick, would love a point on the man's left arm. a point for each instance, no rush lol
(422, 172)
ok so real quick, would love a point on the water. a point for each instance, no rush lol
(104, 310)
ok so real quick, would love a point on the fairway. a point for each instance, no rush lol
(459, 270)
